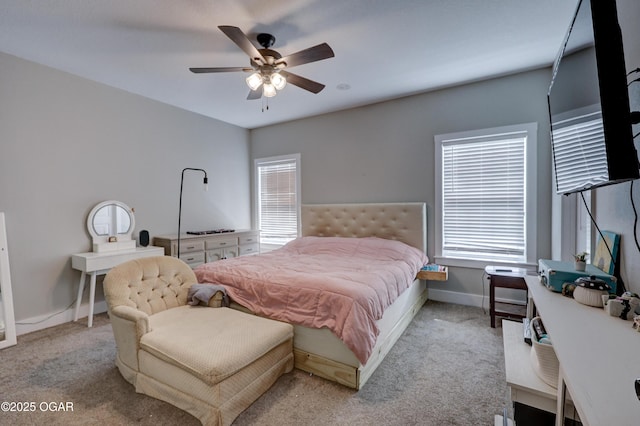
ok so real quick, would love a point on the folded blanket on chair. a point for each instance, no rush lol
(204, 292)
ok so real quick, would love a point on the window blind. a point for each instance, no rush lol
(277, 201)
(483, 197)
(579, 152)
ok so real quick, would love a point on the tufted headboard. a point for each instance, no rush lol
(406, 222)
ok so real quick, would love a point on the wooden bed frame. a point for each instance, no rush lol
(319, 351)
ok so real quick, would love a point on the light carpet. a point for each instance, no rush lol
(446, 369)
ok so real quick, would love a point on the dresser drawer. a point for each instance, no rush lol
(221, 243)
(249, 249)
(249, 238)
(190, 246)
(193, 259)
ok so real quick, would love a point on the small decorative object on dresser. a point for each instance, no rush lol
(580, 261)
(144, 238)
(606, 253)
(623, 306)
(589, 291)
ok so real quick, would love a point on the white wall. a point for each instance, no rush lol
(67, 144)
(384, 152)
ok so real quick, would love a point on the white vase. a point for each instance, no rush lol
(580, 266)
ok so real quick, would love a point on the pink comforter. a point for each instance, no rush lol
(344, 284)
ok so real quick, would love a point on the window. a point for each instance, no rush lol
(485, 196)
(277, 189)
(571, 222)
(579, 151)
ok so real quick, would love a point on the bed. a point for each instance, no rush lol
(319, 350)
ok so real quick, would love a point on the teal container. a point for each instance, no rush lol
(554, 274)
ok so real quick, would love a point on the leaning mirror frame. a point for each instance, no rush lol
(114, 238)
(8, 327)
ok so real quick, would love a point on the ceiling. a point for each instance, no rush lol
(383, 49)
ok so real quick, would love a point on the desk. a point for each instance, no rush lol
(598, 357)
(99, 264)
(525, 386)
(513, 278)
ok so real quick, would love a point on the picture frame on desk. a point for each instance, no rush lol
(602, 259)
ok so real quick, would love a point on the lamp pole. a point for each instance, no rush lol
(206, 181)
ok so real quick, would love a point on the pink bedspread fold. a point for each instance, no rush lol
(343, 284)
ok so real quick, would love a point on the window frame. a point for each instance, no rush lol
(530, 183)
(260, 162)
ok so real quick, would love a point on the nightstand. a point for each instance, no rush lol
(506, 277)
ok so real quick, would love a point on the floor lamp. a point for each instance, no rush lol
(206, 182)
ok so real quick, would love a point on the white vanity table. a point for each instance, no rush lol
(111, 225)
(599, 358)
(99, 264)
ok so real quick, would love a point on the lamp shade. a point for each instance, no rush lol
(278, 81)
(268, 90)
(254, 80)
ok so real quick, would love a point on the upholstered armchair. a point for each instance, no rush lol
(212, 362)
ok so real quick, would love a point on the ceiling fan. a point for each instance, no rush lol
(268, 66)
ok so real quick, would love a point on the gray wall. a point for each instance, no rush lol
(613, 209)
(67, 144)
(384, 152)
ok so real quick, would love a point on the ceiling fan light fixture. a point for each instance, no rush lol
(278, 81)
(254, 81)
(266, 64)
(268, 90)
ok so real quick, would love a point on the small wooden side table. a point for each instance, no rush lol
(506, 277)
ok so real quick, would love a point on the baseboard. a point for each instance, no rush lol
(41, 322)
(45, 321)
(499, 421)
(467, 299)
(458, 298)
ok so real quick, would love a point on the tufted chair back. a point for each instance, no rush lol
(150, 285)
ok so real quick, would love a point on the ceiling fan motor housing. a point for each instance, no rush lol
(266, 40)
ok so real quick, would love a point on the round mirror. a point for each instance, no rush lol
(111, 222)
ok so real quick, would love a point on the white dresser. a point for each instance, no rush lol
(198, 249)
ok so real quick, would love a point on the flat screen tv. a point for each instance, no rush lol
(591, 130)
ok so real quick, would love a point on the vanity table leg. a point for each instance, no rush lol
(560, 398)
(92, 296)
(83, 276)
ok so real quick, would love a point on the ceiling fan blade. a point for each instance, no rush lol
(303, 83)
(312, 54)
(223, 69)
(254, 94)
(238, 37)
